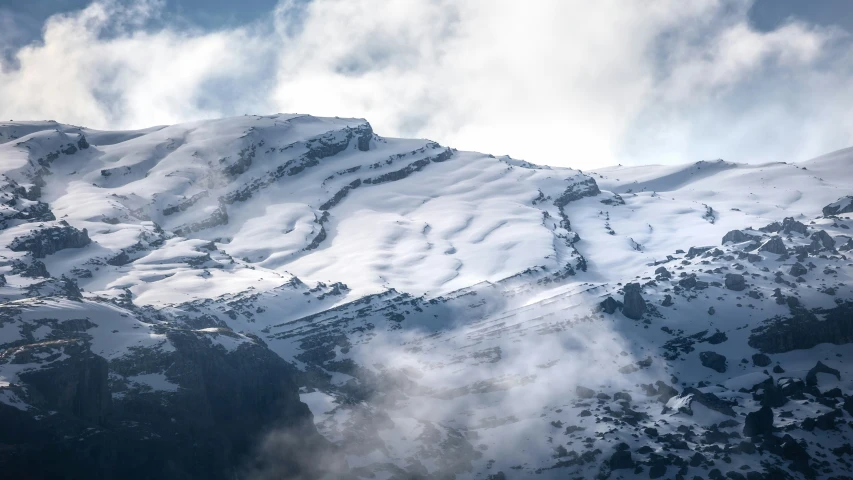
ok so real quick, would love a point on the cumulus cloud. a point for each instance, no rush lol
(561, 82)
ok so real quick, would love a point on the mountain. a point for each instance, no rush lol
(297, 297)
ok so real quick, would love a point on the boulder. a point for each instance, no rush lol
(760, 360)
(798, 270)
(759, 422)
(633, 304)
(713, 360)
(609, 305)
(620, 460)
(735, 281)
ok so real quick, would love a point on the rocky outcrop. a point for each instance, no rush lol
(798, 270)
(760, 360)
(713, 360)
(774, 245)
(820, 367)
(46, 241)
(735, 281)
(609, 305)
(822, 241)
(709, 400)
(737, 236)
(804, 329)
(224, 404)
(842, 205)
(633, 304)
(759, 422)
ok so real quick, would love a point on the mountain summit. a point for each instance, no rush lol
(289, 296)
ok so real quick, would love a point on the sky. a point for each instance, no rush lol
(557, 82)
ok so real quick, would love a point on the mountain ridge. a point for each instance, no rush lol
(435, 309)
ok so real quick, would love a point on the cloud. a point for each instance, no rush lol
(561, 82)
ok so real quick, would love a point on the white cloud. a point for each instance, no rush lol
(564, 82)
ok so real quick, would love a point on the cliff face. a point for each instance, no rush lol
(202, 415)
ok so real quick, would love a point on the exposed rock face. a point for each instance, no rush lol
(790, 225)
(662, 273)
(798, 269)
(820, 367)
(621, 459)
(713, 360)
(634, 305)
(735, 281)
(737, 236)
(225, 401)
(759, 422)
(774, 245)
(609, 305)
(842, 205)
(46, 241)
(690, 395)
(805, 330)
(822, 240)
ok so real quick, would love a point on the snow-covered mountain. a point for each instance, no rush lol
(292, 296)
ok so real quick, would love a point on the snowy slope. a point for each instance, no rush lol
(450, 314)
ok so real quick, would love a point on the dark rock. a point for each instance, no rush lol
(798, 269)
(633, 304)
(207, 428)
(609, 305)
(758, 422)
(822, 240)
(717, 338)
(621, 459)
(827, 420)
(774, 245)
(667, 300)
(713, 360)
(790, 225)
(791, 387)
(709, 400)
(735, 281)
(811, 377)
(737, 236)
(665, 391)
(842, 205)
(662, 273)
(696, 251)
(760, 360)
(805, 329)
(688, 282)
(657, 470)
(622, 396)
(46, 241)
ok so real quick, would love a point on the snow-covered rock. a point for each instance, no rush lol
(442, 314)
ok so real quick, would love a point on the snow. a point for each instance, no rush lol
(452, 305)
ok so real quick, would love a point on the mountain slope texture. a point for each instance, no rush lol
(288, 296)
